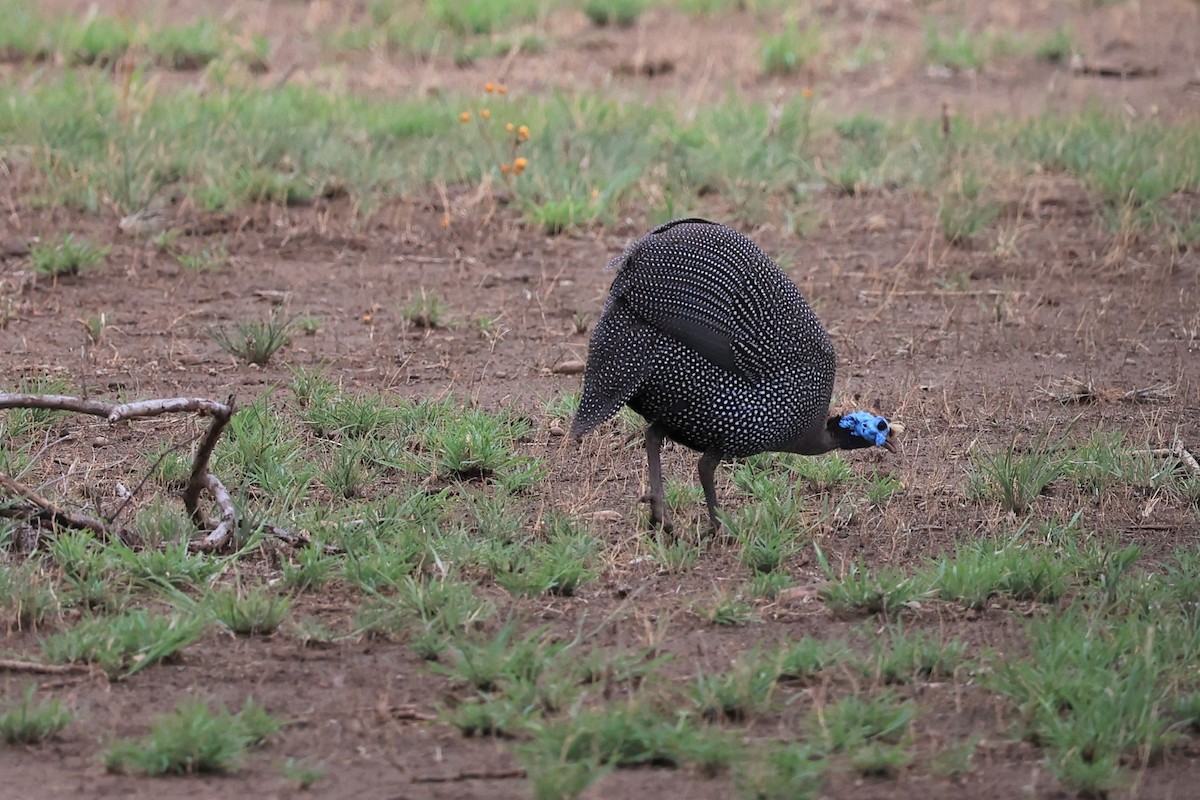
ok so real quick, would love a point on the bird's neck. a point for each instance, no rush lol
(827, 435)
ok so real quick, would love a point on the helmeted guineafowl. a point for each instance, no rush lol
(704, 336)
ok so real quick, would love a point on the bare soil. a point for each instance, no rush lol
(964, 345)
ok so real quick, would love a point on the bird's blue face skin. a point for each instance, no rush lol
(866, 425)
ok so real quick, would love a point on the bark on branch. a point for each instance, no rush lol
(32, 504)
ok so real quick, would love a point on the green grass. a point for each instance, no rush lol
(188, 48)
(911, 657)
(194, 740)
(791, 49)
(425, 310)
(488, 663)
(781, 771)
(737, 695)
(979, 571)
(631, 735)
(475, 445)
(854, 722)
(248, 612)
(255, 341)
(961, 50)
(28, 722)
(1095, 689)
(234, 146)
(27, 595)
(966, 208)
(98, 40)
(559, 565)
(958, 50)
(806, 659)
(168, 561)
(65, 257)
(309, 569)
(726, 611)
(1055, 47)
(94, 574)
(1014, 479)
(621, 13)
(863, 590)
(303, 774)
(122, 645)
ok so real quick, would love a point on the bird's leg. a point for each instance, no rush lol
(707, 469)
(658, 512)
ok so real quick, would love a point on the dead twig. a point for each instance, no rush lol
(220, 535)
(1073, 390)
(472, 775)
(35, 505)
(298, 540)
(1122, 71)
(1180, 451)
(937, 292)
(1150, 394)
(199, 479)
(410, 714)
(12, 665)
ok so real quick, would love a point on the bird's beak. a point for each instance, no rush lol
(896, 429)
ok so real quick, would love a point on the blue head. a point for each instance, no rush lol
(862, 429)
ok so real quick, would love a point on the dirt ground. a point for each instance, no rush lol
(964, 369)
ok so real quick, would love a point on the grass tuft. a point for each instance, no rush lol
(66, 257)
(249, 612)
(257, 340)
(194, 740)
(29, 722)
(124, 644)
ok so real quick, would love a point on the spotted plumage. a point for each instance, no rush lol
(705, 337)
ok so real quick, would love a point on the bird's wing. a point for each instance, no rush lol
(619, 359)
(701, 287)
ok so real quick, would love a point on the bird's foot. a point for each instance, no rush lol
(658, 514)
(658, 519)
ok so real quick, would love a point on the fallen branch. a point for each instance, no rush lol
(37, 506)
(410, 713)
(299, 540)
(1113, 70)
(471, 775)
(937, 292)
(199, 479)
(1180, 451)
(12, 665)
(220, 535)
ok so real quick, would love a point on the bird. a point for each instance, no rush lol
(705, 337)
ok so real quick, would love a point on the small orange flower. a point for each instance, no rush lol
(520, 164)
(505, 168)
(508, 126)
(501, 89)
(806, 93)
(489, 87)
(464, 116)
(522, 133)
(485, 113)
